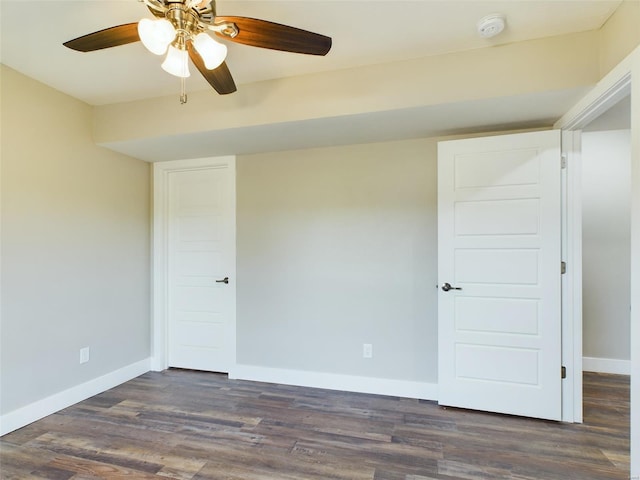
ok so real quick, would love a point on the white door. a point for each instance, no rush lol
(200, 252)
(499, 248)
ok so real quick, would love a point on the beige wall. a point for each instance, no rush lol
(337, 248)
(75, 247)
(606, 243)
(619, 35)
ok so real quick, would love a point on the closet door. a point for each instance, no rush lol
(199, 264)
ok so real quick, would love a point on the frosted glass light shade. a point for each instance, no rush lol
(177, 62)
(213, 53)
(156, 35)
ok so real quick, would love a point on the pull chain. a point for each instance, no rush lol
(183, 91)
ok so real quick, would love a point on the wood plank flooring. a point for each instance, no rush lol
(200, 426)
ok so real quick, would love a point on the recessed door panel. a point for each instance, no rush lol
(486, 363)
(510, 316)
(498, 168)
(497, 266)
(497, 217)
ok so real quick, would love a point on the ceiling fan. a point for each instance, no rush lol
(181, 30)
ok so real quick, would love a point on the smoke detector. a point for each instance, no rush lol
(491, 25)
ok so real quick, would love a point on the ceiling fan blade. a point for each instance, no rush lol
(219, 78)
(261, 33)
(109, 37)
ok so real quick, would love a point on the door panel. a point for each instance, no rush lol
(496, 266)
(490, 314)
(499, 244)
(500, 217)
(496, 169)
(497, 364)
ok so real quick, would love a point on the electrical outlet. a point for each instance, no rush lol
(367, 350)
(84, 355)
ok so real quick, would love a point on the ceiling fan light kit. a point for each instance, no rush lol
(171, 34)
(213, 53)
(156, 35)
(181, 31)
(177, 62)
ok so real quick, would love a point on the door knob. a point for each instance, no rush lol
(447, 286)
(224, 280)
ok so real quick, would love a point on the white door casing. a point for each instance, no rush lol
(194, 249)
(499, 240)
(622, 80)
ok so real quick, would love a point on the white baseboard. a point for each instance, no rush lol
(606, 365)
(157, 364)
(332, 381)
(35, 411)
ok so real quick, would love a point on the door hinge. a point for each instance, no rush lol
(563, 372)
(563, 268)
(563, 160)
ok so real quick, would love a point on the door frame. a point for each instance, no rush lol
(619, 82)
(159, 249)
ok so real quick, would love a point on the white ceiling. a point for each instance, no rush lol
(363, 31)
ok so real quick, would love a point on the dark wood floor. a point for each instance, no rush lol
(194, 425)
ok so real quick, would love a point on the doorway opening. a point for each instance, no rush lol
(606, 240)
(602, 173)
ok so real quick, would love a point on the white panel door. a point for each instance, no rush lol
(201, 327)
(499, 248)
